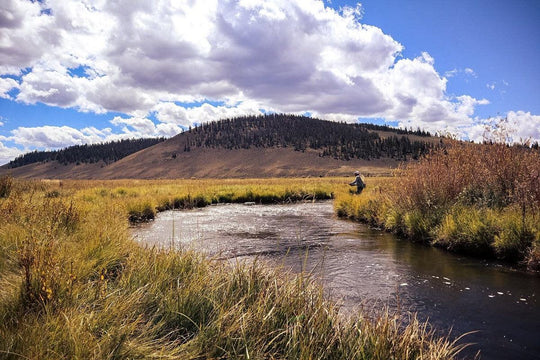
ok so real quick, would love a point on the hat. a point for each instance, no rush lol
(357, 173)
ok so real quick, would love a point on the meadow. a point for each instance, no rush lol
(74, 285)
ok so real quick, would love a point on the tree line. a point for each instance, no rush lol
(338, 140)
(335, 139)
(107, 152)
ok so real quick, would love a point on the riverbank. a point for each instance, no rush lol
(74, 285)
(482, 201)
(359, 266)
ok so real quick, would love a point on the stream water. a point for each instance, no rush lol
(361, 266)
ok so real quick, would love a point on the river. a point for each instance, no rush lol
(361, 266)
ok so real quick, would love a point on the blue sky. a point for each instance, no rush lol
(75, 72)
(497, 39)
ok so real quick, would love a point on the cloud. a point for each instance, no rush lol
(312, 59)
(455, 72)
(135, 126)
(418, 96)
(51, 137)
(515, 127)
(152, 61)
(526, 126)
(26, 35)
(6, 85)
(356, 12)
(167, 130)
(451, 73)
(8, 153)
(500, 85)
(470, 72)
(56, 137)
(173, 119)
(171, 113)
(292, 56)
(49, 87)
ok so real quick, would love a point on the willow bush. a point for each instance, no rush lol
(482, 200)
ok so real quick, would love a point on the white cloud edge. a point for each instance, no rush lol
(519, 123)
(354, 64)
(341, 56)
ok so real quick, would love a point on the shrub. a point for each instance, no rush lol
(450, 196)
(6, 185)
(52, 194)
(394, 221)
(419, 226)
(493, 175)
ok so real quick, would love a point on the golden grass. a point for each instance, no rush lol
(482, 200)
(74, 285)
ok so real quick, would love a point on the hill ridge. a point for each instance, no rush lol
(108, 152)
(340, 141)
(255, 146)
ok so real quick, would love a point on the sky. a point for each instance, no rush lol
(75, 72)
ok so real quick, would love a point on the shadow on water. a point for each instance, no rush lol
(361, 266)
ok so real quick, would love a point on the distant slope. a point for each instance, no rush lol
(263, 146)
(337, 140)
(108, 152)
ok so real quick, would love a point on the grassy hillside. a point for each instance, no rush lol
(337, 140)
(108, 152)
(264, 146)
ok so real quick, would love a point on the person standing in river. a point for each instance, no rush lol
(360, 184)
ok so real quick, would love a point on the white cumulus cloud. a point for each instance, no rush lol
(515, 127)
(51, 137)
(287, 55)
(526, 126)
(8, 153)
(168, 112)
(144, 59)
(6, 85)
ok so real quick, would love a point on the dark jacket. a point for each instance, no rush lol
(360, 185)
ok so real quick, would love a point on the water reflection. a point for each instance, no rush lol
(360, 265)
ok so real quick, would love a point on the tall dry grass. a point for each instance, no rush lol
(482, 200)
(73, 285)
(492, 176)
(6, 183)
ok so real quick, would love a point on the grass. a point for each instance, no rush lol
(481, 200)
(75, 286)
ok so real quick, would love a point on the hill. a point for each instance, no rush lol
(256, 146)
(108, 152)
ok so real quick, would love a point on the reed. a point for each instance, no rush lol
(74, 285)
